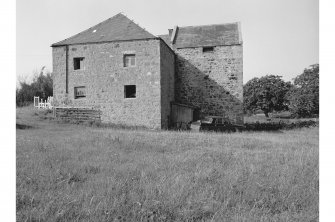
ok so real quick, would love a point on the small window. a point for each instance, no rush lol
(78, 63)
(207, 49)
(130, 91)
(79, 92)
(129, 60)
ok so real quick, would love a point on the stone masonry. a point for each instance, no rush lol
(212, 81)
(209, 68)
(104, 77)
(167, 61)
(168, 69)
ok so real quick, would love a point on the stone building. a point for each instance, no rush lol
(135, 78)
(209, 68)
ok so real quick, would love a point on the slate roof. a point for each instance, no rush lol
(116, 28)
(208, 35)
(166, 39)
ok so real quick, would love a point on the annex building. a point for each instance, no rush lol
(136, 78)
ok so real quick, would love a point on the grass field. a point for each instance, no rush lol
(79, 173)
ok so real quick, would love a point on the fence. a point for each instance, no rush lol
(43, 104)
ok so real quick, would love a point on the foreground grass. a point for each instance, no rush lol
(76, 173)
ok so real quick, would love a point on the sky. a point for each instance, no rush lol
(280, 37)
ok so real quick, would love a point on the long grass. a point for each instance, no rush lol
(77, 173)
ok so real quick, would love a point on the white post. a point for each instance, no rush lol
(36, 101)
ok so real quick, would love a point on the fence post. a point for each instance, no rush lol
(36, 101)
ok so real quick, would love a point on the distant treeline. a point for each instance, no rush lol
(40, 86)
(271, 93)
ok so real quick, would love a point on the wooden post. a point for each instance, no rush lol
(36, 101)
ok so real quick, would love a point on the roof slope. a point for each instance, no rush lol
(116, 28)
(166, 39)
(208, 35)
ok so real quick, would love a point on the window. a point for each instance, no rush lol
(129, 60)
(78, 63)
(130, 91)
(79, 92)
(207, 49)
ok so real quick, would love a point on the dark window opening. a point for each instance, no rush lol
(196, 114)
(79, 92)
(130, 91)
(129, 60)
(78, 63)
(207, 49)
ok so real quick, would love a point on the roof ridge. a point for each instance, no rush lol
(228, 23)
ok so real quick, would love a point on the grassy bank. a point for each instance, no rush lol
(76, 173)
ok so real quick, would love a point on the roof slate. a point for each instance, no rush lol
(208, 35)
(166, 39)
(116, 28)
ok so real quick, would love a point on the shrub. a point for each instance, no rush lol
(281, 125)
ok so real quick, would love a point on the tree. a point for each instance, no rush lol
(266, 93)
(41, 86)
(304, 95)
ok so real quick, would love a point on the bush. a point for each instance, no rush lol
(281, 125)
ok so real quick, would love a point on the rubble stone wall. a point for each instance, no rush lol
(104, 76)
(167, 82)
(212, 81)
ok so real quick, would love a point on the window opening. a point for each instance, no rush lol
(79, 92)
(78, 63)
(207, 49)
(130, 91)
(129, 60)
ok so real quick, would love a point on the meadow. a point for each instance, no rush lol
(68, 172)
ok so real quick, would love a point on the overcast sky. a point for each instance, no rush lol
(280, 37)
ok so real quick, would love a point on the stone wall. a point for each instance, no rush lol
(167, 58)
(212, 81)
(104, 77)
(58, 74)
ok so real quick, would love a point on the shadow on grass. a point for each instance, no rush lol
(23, 126)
